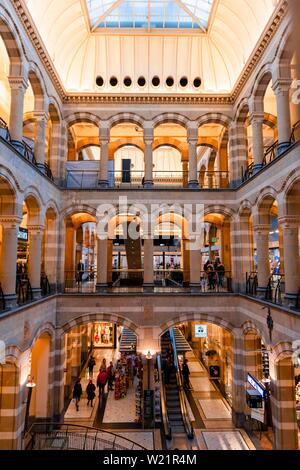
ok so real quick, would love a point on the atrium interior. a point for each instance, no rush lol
(149, 225)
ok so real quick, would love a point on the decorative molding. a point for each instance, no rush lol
(205, 99)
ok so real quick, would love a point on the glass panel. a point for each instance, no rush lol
(162, 14)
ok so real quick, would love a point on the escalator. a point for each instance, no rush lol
(176, 410)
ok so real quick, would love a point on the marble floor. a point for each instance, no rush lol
(120, 411)
(143, 438)
(225, 440)
(214, 408)
(201, 384)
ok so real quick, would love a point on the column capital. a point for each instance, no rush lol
(104, 135)
(263, 229)
(257, 117)
(18, 83)
(41, 117)
(192, 135)
(282, 86)
(35, 229)
(289, 221)
(10, 221)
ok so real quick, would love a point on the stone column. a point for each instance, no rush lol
(283, 406)
(40, 136)
(257, 120)
(244, 256)
(12, 425)
(263, 263)
(55, 150)
(58, 389)
(70, 252)
(148, 141)
(35, 258)
(193, 141)
(148, 262)
(195, 261)
(253, 355)
(239, 379)
(185, 173)
(18, 87)
(102, 248)
(290, 235)
(10, 226)
(281, 89)
(104, 142)
(76, 351)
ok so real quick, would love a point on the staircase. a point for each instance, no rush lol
(127, 339)
(182, 345)
(172, 395)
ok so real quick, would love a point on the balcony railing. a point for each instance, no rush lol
(274, 151)
(2, 300)
(54, 436)
(89, 178)
(25, 150)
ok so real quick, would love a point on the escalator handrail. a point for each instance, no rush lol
(163, 401)
(186, 421)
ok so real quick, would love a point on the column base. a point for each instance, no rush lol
(195, 287)
(103, 184)
(36, 293)
(148, 184)
(193, 184)
(148, 287)
(101, 288)
(257, 168)
(10, 301)
(282, 148)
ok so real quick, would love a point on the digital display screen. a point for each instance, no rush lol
(23, 234)
(200, 331)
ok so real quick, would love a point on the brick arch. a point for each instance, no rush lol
(266, 194)
(208, 142)
(197, 317)
(219, 209)
(214, 118)
(96, 317)
(8, 192)
(126, 117)
(13, 44)
(47, 328)
(80, 208)
(174, 118)
(170, 142)
(250, 326)
(269, 120)
(262, 81)
(36, 80)
(242, 112)
(282, 350)
(129, 141)
(80, 117)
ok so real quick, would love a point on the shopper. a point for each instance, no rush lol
(77, 392)
(80, 272)
(167, 371)
(90, 391)
(110, 376)
(220, 268)
(91, 365)
(186, 375)
(103, 364)
(211, 276)
(102, 381)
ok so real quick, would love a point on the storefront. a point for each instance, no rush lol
(22, 259)
(104, 335)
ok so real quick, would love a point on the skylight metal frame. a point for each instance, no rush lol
(200, 29)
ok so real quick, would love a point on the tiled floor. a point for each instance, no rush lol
(145, 439)
(201, 384)
(214, 408)
(225, 440)
(120, 411)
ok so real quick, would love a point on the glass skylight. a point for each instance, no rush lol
(149, 15)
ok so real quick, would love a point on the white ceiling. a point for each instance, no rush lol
(216, 56)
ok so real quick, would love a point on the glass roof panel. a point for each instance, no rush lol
(153, 14)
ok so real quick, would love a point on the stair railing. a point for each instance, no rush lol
(163, 401)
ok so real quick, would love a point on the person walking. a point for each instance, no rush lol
(110, 376)
(102, 381)
(167, 370)
(80, 272)
(77, 392)
(220, 273)
(91, 365)
(186, 375)
(90, 391)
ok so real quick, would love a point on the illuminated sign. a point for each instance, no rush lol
(23, 234)
(256, 385)
(200, 331)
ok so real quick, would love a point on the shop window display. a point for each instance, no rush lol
(104, 335)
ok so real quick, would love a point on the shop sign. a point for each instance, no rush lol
(200, 331)
(214, 240)
(256, 385)
(258, 414)
(23, 234)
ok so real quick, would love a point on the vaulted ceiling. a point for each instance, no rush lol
(193, 46)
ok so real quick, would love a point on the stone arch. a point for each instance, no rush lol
(80, 117)
(262, 81)
(209, 318)
(38, 86)
(171, 118)
(125, 117)
(34, 207)
(214, 118)
(80, 208)
(10, 36)
(250, 326)
(282, 350)
(221, 210)
(242, 111)
(96, 317)
(8, 196)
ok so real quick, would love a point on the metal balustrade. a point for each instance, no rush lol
(56, 436)
(25, 150)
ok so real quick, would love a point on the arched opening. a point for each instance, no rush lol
(40, 374)
(213, 154)
(5, 90)
(49, 253)
(53, 141)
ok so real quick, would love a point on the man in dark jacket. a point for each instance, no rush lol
(77, 392)
(90, 391)
(186, 375)
(91, 365)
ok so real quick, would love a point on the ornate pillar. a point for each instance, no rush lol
(35, 258)
(281, 89)
(244, 255)
(102, 258)
(104, 142)
(10, 226)
(11, 409)
(18, 87)
(185, 173)
(239, 375)
(148, 262)
(263, 263)
(148, 141)
(40, 136)
(257, 119)
(195, 261)
(290, 236)
(193, 141)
